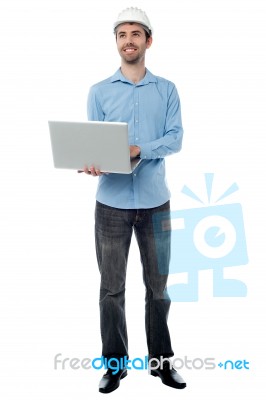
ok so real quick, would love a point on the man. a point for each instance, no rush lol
(126, 202)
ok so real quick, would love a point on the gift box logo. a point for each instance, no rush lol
(208, 237)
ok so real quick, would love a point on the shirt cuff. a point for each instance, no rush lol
(145, 151)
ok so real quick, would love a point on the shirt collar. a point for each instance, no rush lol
(148, 78)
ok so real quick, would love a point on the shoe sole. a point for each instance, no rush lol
(124, 374)
(180, 386)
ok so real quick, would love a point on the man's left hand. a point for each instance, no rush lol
(134, 151)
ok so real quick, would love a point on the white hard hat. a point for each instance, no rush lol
(134, 14)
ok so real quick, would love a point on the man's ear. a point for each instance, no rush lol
(149, 42)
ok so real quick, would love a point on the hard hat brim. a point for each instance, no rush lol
(147, 29)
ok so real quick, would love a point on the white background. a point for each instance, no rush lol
(51, 52)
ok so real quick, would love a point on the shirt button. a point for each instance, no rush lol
(135, 174)
(137, 138)
(136, 104)
(137, 120)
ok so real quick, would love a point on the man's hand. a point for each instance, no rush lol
(134, 151)
(92, 171)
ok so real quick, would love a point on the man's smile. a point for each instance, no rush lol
(130, 50)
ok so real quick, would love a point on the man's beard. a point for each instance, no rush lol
(132, 61)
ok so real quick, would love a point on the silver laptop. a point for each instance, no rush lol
(103, 145)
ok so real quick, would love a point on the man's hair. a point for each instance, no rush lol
(147, 34)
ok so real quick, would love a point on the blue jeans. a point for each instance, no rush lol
(113, 232)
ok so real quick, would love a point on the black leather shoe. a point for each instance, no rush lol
(110, 381)
(169, 376)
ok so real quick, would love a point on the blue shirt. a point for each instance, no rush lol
(152, 110)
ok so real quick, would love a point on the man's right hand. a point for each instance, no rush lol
(91, 171)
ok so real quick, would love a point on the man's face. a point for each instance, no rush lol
(132, 43)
